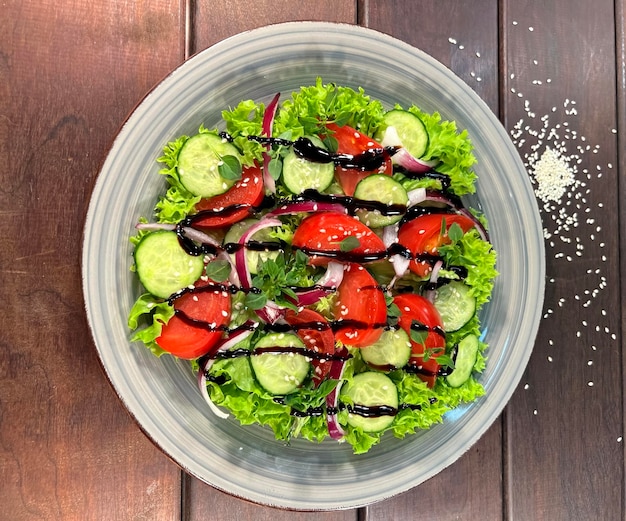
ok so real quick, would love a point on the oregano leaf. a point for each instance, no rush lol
(230, 168)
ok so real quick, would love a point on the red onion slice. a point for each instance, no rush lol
(327, 284)
(191, 233)
(271, 312)
(335, 430)
(440, 198)
(402, 157)
(399, 262)
(416, 196)
(434, 276)
(268, 123)
(241, 263)
(233, 339)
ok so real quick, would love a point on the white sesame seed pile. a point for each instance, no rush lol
(560, 165)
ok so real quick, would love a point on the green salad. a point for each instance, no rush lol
(313, 260)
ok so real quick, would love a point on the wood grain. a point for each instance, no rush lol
(565, 423)
(218, 20)
(70, 72)
(468, 46)
(210, 25)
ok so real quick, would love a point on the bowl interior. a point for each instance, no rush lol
(162, 395)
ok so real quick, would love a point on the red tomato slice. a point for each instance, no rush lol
(361, 304)
(321, 236)
(239, 201)
(351, 141)
(319, 339)
(416, 308)
(422, 235)
(187, 339)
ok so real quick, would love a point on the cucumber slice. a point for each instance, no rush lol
(391, 351)
(199, 160)
(455, 305)
(382, 189)
(371, 389)
(252, 256)
(465, 360)
(280, 373)
(410, 129)
(163, 266)
(300, 174)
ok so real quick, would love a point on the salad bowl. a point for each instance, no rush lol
(161, 393)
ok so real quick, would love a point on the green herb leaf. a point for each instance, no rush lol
(455, 232)
(349, 243)
(230, 168)
(442, 232)
(255, 300)
(275, 168)
(218, 270)
(445, 361)
(419, 332)
(331, 143)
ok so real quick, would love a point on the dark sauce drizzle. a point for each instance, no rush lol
(370, 159)
(368, 411)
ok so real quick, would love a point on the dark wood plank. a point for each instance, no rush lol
(70, 71)
(211, 24)
(218, 20)
(467, 42)
(565, 457)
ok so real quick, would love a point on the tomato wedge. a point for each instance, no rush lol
(419, 314)
(422, 236)
(351, 141)
(317, 335)
(233, 205)
(361, 305)
(328, 236)
(197, 329)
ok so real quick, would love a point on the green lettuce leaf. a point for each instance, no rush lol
(311, 107)
(153, 314)
(452, 148)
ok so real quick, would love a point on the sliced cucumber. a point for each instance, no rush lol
(465, 360)
(371, 389)
(199, 160)
(392, 350)
(163, 266)
(280, 373)
(455, 305)
(381, 189)
(252, 256)
(410, 129)
(300, 174)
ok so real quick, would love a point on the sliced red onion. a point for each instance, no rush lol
(271, 312)
(438, 197)
(155, 226)
(434, 276)
(197, 235)
(399, 262)
(403, 157)
(191, 233)
(416, 196)
(241, 263)
(332, 400)
(328, 283)
(307, 207)
(268, 123)
(225, 345)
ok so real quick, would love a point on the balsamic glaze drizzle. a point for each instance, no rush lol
(368, 160)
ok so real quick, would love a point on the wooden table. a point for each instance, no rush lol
(70, 72)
